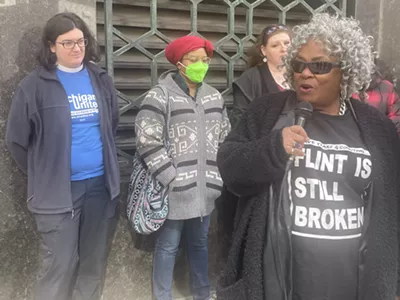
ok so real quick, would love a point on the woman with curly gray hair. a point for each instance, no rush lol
(319, 213)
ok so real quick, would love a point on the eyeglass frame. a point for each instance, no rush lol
(76, 43)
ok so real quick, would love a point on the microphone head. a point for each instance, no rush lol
(304, 109)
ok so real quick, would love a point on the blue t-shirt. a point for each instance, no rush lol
(86, 147)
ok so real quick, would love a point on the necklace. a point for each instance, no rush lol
(279, 78)
(343, 108)
(281, 81)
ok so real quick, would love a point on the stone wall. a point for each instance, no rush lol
(20, 25)
(389, 41)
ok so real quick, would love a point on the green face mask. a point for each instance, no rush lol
(197, 71)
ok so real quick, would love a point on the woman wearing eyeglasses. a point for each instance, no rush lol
(194, 115)
(322, 211)
(61, 132)
(265, 73)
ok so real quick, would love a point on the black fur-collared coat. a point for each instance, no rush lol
(252, 157)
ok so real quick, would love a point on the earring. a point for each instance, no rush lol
(343, 95)
(265, 59)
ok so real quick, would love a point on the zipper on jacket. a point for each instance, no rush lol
(69, 152)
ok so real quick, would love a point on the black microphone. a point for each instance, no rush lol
(303, 112)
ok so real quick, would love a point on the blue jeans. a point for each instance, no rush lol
(196, 236)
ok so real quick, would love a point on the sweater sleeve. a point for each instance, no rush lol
(247, 163)
(225, 126)
(150, 127)
(19, 130)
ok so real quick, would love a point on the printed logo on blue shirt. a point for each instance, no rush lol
(83, 108)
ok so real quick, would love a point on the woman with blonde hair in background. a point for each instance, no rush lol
(265, 73)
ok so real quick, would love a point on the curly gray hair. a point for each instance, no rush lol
(342, 38)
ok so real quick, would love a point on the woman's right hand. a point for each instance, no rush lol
(294, 138)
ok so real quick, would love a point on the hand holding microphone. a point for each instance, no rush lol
(295, 136)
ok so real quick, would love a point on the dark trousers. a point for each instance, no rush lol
(74, 246)
(167, 244)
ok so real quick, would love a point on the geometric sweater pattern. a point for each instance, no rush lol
(196, 128)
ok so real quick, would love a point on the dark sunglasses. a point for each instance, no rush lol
(316, 67)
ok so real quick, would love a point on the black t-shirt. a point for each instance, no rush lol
(327, 189)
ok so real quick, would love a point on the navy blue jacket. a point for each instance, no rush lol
(39, 137)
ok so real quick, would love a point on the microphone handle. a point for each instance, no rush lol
(301, 121)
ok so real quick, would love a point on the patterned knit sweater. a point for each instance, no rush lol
(196, 127)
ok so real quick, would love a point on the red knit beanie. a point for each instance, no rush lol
(179, 47)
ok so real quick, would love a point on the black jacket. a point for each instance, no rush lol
(252, 158)
(252, 84)
(39, 137)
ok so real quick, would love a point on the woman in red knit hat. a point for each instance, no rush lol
(194, 116)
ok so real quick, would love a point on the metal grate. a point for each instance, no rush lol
(133, 35)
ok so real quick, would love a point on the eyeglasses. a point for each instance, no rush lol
(71, 44)
(316, 67)
(274, 28)
(193, 59)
